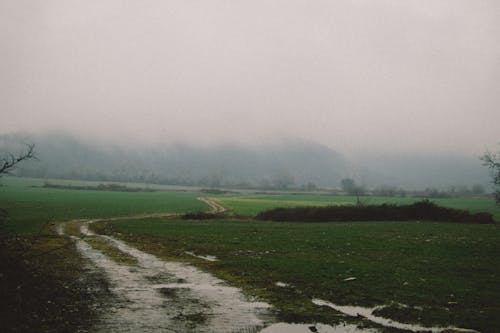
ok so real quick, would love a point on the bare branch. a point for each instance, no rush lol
(10, 161)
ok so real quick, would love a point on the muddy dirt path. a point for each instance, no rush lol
(215, 207)
(159, 296)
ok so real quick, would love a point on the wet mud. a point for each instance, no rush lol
(319, 328)
(368, 314)
(159, 296)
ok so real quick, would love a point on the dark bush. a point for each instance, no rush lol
(422, 210)
(100, 187)
(199, 216)
(215, 191)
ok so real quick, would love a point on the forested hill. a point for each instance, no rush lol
(275, 166)
(294, 163)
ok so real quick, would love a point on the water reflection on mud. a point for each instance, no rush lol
(320, 328)
(205, 257)
(367, 313)
(159, 296)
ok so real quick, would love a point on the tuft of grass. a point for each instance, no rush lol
(72, 228)
(111, 251)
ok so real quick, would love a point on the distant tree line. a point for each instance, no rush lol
(350, 187)
(100, 187)
(307, 168)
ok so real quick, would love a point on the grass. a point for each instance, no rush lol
(111, 251)
(449, 270)
(31, 208)
(72, 228)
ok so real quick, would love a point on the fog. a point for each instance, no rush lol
(356, 76)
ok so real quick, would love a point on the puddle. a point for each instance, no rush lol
(207, 257)
(320, 328)
(282, 284)
(60, 229)
(159, 296)
(355, 311)
(84, 228)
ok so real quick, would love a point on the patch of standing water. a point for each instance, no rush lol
(84, 228)
(355, 311)
(320, 328)
(207, 257)
(185, 300)
(60, 229)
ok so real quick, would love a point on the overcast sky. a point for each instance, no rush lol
(354, 75)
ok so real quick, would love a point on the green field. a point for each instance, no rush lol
(29, 182)
(445, 273)
(29, 207)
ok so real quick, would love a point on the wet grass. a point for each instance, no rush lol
(171, 293)
(163, 278)
(191, 320)
(72, 228)
(111, 251)
(448, 271)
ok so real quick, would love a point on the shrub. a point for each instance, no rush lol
(199, 216)
(422, 210)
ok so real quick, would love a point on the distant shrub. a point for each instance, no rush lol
(199, 216)
(215, 191)
(100, 187)
(422, 210)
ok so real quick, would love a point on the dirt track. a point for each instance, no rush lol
(215, 207)
(159, 296)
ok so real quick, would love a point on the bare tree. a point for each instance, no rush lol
(9, 162)
(350, 186)
(492, 161)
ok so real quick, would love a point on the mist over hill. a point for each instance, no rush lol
(273, 166)
(417, 171)
(290, 164)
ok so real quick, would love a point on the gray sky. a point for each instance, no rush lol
(354, 75)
